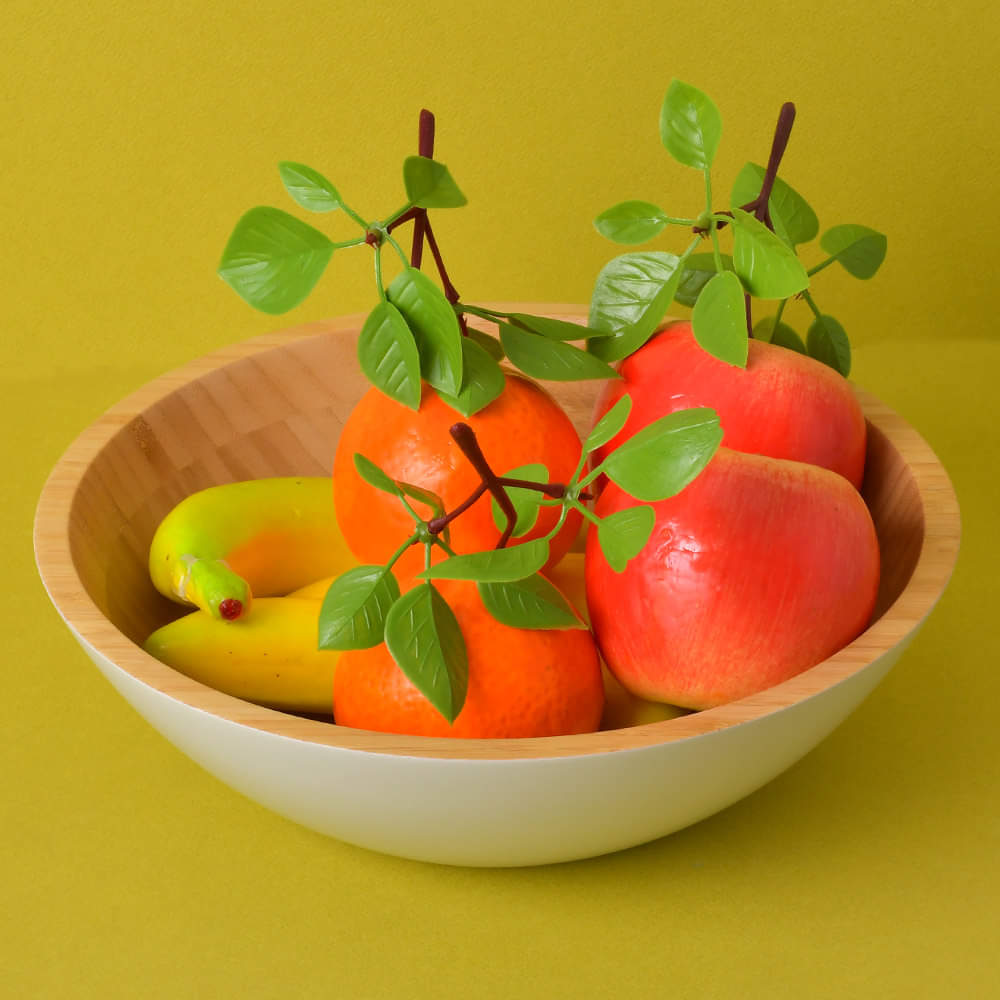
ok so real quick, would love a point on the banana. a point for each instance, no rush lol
(272, 659)
(315, 590)
(222, 546)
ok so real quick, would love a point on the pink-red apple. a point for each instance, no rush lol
(757, 570)
(783, 404)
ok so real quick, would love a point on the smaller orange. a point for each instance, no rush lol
(522, 682)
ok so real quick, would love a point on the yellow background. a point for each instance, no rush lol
(135, 135)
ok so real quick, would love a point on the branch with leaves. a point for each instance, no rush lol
(769, 222)
(365, 607)
(417, 332)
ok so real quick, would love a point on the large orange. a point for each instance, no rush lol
(522, 682)
(523, 425)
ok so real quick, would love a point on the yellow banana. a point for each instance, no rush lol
(271, 659)
(222, 546)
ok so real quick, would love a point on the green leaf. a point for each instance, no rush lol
(423, 636)
(859, 249)
(768, 266)
(719, 319)
(698, 271)
(427, 497)
(430, 185)
(484, 380)
(374, 476)
(354, 609)
(781, 334)
(790, 212)
(273, 260)
(489, 344)
(609, 425)
(540, 357)
(309, 187)
(631, 296)
(631, 222)
(529, 603)
(388, 355)
(496, 566)
(434, 325)
(666, 455)
(623, 535)
(545, 326)
(690, 125)
(526, 502)
(827, 342)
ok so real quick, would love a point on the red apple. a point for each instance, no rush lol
(783, 404)
(757, 570)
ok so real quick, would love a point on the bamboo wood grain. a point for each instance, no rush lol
(274, 405)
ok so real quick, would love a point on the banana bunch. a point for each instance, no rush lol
(228, 551)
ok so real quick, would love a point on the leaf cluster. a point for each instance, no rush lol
(634, 291)
(416, 332)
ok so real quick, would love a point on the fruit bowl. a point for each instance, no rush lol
(274, 406)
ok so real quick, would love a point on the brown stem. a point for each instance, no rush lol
(425, 147)
(465, 438)
(436, 525)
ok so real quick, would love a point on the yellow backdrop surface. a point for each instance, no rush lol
(135, 135)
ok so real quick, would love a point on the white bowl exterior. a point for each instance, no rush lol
(499, 812)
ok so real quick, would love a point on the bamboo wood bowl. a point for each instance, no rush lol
(274, 406)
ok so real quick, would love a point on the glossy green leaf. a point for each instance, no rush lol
(609, 425)
(543, 358)
(623, 535)
(793, 218)
(697, 272)
(353, 612)
(374, 476)
(546, 326)
(827, 341)
(690, 125)
(489, 344)
(859, 249)
(661, 459)
(631, 297)
(780, 334)
(526, 502)
(767, 265)
(484, 380)
(495, 566)
(424, 496)
(423, 636)
(631, 222)
(388, 355)
(309, 187)
(719, 319)
(529, 603)
(434, 324)
(429, 184)
(273, 260)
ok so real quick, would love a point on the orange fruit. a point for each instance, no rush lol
(522, 682)
(523, 425)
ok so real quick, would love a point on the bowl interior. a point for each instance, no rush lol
(275, 406)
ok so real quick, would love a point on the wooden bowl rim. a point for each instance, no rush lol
(930, 576)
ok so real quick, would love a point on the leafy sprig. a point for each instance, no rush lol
(417, 331)
(364, 606)
(769, 221)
